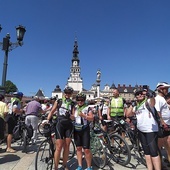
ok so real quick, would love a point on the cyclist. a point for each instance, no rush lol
(117, 108)
(3, 113)
(83, 117)
(103, 112)
(164, 113)
(32, 111)
(14, 110)
(64, 126)
(147, 128)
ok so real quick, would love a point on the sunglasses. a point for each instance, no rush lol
(140, 93)
(80, 100)
(67, 93)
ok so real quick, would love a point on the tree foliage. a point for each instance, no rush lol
(10, 87)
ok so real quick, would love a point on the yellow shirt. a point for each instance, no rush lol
(3, 109)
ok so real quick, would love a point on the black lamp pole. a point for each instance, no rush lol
(9, 46)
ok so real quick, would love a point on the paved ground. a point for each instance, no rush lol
(23, 161)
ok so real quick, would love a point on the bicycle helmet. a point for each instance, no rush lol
(68, 89)
(162, 85)
(81, 96)
(18, 94)
(138, 91)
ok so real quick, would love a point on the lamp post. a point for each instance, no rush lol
(98, 80)
(8, 46)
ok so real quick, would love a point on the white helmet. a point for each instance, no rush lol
(162, 85)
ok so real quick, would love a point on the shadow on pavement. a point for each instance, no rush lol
(9, 158)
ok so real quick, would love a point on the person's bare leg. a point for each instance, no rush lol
(88, 157)
(79, 155)
(66, 150)
(156, 162)
(9, 140)
(168, 147)
(59, 145)
(149, 162)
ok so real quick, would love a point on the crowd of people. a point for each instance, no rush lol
(79, 112)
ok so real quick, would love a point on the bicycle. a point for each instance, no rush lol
(45, 154)
(97, 148)
(116, 147)
(132, 135)
(23, 133)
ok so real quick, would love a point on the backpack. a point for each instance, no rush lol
(16, 132)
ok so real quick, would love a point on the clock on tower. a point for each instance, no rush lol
(75, 63)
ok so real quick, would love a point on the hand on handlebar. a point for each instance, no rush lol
(45, 122)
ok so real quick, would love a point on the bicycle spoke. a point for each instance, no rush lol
(44, 157)
(119, 150)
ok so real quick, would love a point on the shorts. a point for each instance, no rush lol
(64, 129)
(11, 122)
(82, 138)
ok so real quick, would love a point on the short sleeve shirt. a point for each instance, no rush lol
(162, 107)
(3, 109)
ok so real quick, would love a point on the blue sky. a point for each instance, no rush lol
(128, 40)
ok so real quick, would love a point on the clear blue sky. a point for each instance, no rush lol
(128, 40)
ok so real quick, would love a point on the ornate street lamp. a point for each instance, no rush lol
(9, 46)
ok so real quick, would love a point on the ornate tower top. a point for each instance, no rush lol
(75, 52)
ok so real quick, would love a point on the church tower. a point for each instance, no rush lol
(75, 81)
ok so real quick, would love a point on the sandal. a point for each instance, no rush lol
(10, 150)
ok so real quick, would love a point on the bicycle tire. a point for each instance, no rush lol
(24, 138)
(141, 152)
(44, 156)
(72, 150)
(40, 128)
(99, 153)
(119, 149)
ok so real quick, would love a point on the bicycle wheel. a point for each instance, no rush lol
(72, 150)
(99, 152)
(119, 149)
(44, 156)
(141, 152)
(40, 128)
(24, 139)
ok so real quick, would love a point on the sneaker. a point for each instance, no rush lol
(89, 168)
(79, 168)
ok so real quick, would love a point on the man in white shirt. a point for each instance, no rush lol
(164, 112)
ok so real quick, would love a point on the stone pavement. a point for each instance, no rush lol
(26, 161)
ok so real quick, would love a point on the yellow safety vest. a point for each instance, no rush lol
(117, 107)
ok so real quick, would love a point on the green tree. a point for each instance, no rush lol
(10, 87)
